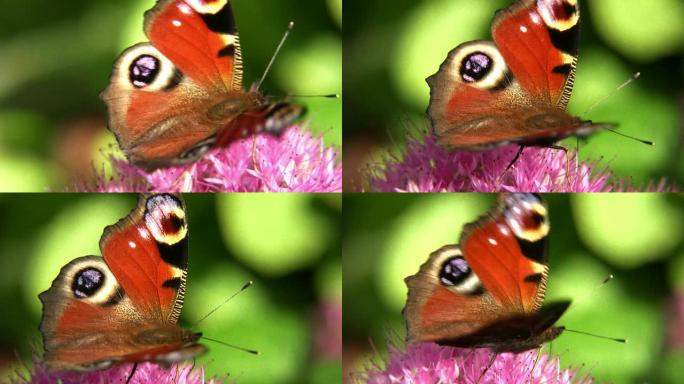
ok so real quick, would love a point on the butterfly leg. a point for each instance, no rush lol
(515, 159)
(489, 365)
(130, 376)
(567, 160)
(534, 366)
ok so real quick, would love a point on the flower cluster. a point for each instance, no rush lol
(144, 373)
(427, 167)
(427, 363)
(294, 162)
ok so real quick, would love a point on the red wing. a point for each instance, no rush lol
(487, 93)
(488, 292)
(155, 112)
(507, 249)
(124, 306)
(90, 322)
(435, 312)
(147, 253)
(539, 40)
(200, 38)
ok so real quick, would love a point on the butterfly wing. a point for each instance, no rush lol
(124, 306)
(539, 40)
(163, 96)
(514, 89)
(153, 106)
(201, 38)
(148, 253)
(176, 97)
(488, 291)
(437, 308)
(508, 249)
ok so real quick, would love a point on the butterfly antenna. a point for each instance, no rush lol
(647, 142)
(247, 285)
(592, 292)
(616, 90)
(275, 54)
(601, 100)
(252, 351)
(606, 280)
(328, 96)
(595, 335)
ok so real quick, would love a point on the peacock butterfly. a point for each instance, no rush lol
(123, 307)
(176, 97)
(487, 292)
(514, 89)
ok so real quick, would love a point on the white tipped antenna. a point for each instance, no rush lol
(247, 285)
(595, 335)
(275, 54)
(647, 142)
(616, 90)
(601, 100)
(252, 351)
(594, 289)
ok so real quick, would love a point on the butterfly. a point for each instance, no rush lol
(514, 89)
(487, 292)
(123, 307)
(173, 99)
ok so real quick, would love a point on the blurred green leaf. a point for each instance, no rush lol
(50, 49)
(676, 272)
(638, 112)
(20, 173)
(326, 372)
(278, 333)
(335, 7)
(641, 30)
(275, 234)
(627, 229)
(606, 312)
(22, 129)
(314, 68)
(671, 368)
(329, 280)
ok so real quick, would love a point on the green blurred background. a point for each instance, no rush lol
(288, 244)
(636, 237)
(390, 47)
(56, 57)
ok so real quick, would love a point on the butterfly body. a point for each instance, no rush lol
(180, 95)
(487, 292)
(514, 89)
(124, 306)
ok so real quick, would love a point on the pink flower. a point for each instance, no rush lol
(428, 363)
(427, 167)
(295, 162)
(675, 322)
(145, 373)
(327, 330)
